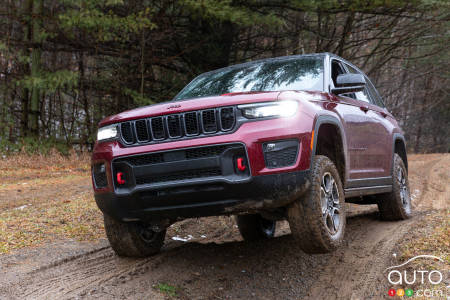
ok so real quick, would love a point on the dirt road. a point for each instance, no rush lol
(216, 264)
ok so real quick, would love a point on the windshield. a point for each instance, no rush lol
(304, 73)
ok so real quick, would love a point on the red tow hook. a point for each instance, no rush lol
(240, 164)
(120, 180)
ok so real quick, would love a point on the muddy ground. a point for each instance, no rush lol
(215, 263)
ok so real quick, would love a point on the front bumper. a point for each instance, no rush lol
(261, 188)
(260, 193)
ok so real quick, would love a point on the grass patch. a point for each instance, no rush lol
(78, 219)
(431, 236)
(46, 197)
(68, 216)
(167, 289)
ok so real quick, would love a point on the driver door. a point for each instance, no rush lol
(358, 126)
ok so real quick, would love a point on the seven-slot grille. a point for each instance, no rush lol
(175, 126)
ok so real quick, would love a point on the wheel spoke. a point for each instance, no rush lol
(326, 181)
(323, 200)
(336, 222)
(331, 223)
(336, 209)
(335, 195)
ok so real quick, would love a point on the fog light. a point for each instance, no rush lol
(270, 147)
(99, 174)
(280, 154)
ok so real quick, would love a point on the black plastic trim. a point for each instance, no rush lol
(215, 179)
(368, 190)
(326, 119)
(295, 143)
(397, 136)
(366, 182)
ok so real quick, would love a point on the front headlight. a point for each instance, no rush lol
(107, 132)
(286, 108)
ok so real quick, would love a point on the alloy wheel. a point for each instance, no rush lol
(329, 198)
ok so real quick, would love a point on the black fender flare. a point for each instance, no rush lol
(327, 119)
(398, 137)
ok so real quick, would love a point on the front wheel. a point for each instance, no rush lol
(133, 239)
(396, 205)
(317, 220)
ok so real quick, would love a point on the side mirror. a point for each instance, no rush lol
(349, 83)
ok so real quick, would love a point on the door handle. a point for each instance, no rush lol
(364, 108)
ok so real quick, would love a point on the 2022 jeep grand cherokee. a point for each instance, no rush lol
(290, 137)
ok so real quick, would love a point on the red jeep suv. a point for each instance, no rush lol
(282, 138)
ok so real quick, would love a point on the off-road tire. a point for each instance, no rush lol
(391, 205)
(307, 217)
(254, 227)
(126, 238)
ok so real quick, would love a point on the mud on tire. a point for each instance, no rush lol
(317, 220)
(254, 227)
(132, 239)
(396, 205)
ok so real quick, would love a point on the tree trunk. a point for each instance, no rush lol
(36, 65)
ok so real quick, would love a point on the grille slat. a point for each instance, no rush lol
(176, 126)
(127, 132)
(158, 128)
(191, 123)
(227, 118)
(142, 131)
(209, 121)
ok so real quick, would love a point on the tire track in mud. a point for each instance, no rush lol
(69, 278)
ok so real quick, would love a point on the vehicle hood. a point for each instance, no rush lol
(172, 107)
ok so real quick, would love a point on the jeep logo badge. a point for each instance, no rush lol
(174, 106)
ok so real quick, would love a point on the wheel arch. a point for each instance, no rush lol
(339, 158)
(399, 147)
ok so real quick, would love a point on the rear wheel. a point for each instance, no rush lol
(317, 220)
(254, 227)
(133, 239)
(396, 205)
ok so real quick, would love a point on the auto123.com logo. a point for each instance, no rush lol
(407, 279)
